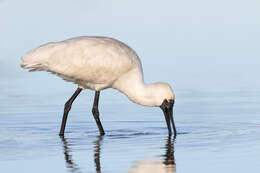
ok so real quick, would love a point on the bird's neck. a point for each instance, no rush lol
(136, 90)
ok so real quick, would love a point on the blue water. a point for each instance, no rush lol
(217, 131)
(207, 51)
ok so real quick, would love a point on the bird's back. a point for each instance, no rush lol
(91, 62)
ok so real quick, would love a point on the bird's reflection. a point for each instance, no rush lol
(97, 153)
(71, 165)
(169, 155)
(167, 165)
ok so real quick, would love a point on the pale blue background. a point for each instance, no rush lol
(190, 41)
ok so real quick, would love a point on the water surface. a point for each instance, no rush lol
(217, 131)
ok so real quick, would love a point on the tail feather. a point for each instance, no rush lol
(34, 67)
(37, 59)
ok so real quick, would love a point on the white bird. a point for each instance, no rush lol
(98, 63)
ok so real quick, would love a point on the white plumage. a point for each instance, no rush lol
(98, 63)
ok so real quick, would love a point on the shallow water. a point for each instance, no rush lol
(217, 131)
(208, 52)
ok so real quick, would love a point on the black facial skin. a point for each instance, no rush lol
(167, 107)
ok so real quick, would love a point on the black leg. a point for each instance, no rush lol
(96, 113)
(67, 108)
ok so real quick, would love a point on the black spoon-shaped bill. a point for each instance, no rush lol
(167, 107)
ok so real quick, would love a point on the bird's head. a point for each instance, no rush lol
(161, 92)
(165, 99)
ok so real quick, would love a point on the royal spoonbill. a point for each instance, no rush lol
(98, 63)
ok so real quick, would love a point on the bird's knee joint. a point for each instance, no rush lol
(67, 106)
(95, 111)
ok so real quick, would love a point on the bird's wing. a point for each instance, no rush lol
(96, 61)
